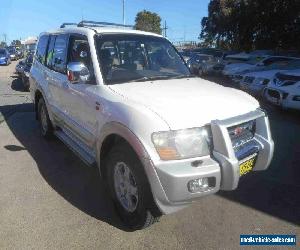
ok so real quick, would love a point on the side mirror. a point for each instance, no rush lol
(77, 72)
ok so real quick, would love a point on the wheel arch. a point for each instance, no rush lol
(113, 133)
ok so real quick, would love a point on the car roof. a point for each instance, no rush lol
(98, 30)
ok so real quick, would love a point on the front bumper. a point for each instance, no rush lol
(281, 98)
(169, 181)
(3, 62)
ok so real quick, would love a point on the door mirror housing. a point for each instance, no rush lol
(78, 72)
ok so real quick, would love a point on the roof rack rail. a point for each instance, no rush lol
(102, 24)
(67, 24)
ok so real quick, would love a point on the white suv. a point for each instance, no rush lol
(124, 100)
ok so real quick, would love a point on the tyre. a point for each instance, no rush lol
(45, 123)
(129, 188)
(26, 83)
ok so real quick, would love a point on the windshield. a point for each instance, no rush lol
(125, 58)
(2, 52)
(31, 46)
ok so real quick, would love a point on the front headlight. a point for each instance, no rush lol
(181, 144)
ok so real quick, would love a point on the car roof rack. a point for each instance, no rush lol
(67, 24)
(102, 24)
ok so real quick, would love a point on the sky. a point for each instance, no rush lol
(21, 19)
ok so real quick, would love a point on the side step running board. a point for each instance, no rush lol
(87, 157)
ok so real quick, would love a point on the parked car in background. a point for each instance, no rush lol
(269, 63)
(255, 82)
(234, 70)
(30, 48)
(20, 67)
(217, 53)
(13, 53)
(284, 90)
(160, 137)
(201, 64)
(4, 57)
(186, 54)
(262, 53)
(236, 58)
(24, 73)
(20, 53)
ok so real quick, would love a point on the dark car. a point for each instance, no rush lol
(13, 53)
(20, 53)
(186, 54)
(4, 57)
(24, 74)
(217, 53)
(201, 64)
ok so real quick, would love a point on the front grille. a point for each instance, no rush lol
(241, 135)
(249, 79)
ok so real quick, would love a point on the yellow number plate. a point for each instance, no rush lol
(247, 166)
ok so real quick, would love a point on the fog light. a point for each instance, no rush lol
(198, 185)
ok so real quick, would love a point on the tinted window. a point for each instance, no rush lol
(42, 48)
(60, 53)
(50, 54)
(2, 52)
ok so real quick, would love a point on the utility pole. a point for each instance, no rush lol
(165, 29)
(5, 36)
(123, 12)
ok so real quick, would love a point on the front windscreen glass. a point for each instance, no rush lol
(2, 52)
(125, 58)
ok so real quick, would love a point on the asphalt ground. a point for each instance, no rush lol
(50, 200)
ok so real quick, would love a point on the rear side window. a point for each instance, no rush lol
(50, 54)
(42, 49)
(60, 53)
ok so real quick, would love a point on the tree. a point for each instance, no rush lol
(252, 24)
(148, 21)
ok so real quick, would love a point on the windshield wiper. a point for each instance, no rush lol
(142, 79)
(150, 78)
(183, 76)
(153, 78)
